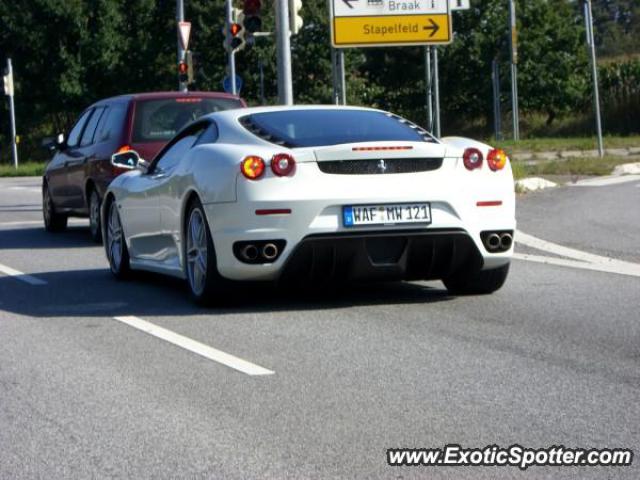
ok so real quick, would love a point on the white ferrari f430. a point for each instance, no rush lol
(312, 195)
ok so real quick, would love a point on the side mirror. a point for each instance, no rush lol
(128, 160)
(54, 143)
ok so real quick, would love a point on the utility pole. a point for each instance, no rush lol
(513, 43)
(9, 91)
(588, 17)
(283, 46)
(334, 77)
(341, 77)
(182, 86)
(436, 94)
(429, 88)
(495, 76)
(232, 55)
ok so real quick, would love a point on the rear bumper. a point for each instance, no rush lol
(386, 255)
(315, 202)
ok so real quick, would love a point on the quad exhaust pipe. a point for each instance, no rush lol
(269, 251)
(496, 242)
(259, 251)
(249, 252)
(506, 240)
(493, 242)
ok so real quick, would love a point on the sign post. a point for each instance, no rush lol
(588, 18)
(380, 23)
(8, 90)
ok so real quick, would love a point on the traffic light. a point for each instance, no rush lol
(251, 19)
(234, 33)
(183, 71)
(295, 19)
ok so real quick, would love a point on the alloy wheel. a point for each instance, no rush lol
(197, 252)
(114, 238)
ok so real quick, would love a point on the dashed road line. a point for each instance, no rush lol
(19, 223)
(206, 351)
(23, 277)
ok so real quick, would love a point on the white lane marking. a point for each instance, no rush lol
(41, 223)
(30, 189)
(18, 275)
(576, 264)
(539, 244)
(604, 181)
(195, 347)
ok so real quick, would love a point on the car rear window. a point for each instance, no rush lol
(316, 127)
(160, 120)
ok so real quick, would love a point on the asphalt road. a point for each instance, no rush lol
(551, 359)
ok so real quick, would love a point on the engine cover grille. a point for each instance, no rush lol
(380, 166)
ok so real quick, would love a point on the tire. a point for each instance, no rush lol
(95, 225)
(203, 279)
(115, 245)
(53, 221)
(481, 282)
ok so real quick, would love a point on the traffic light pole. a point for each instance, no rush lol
(12, 113)
(283, 45)
(182, 86)
(232, 55)
(588, 18)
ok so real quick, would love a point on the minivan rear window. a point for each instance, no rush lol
(159, 120)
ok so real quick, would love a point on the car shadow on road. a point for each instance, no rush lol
(95, 293)
(37, 237)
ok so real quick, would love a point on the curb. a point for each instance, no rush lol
(566, 154)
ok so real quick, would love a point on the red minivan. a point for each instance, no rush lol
(76, 178)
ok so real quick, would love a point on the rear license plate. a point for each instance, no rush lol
(365, 215)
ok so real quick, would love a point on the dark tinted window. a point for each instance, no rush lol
(314, 128)
(160, 120)
(113, 124)
(74, 134)
(90, 129)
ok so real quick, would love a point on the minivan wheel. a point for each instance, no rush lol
(53, 221)
(115, 244)
(94, 217)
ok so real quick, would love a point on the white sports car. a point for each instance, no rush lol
(313, 194)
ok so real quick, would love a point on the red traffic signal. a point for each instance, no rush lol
(235, 28)
(183, 68)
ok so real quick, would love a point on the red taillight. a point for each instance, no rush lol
(283, 164)
(472, 158)
(124, 148)
(496, 159)
(252, 167)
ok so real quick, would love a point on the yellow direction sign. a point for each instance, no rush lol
(376, 23)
